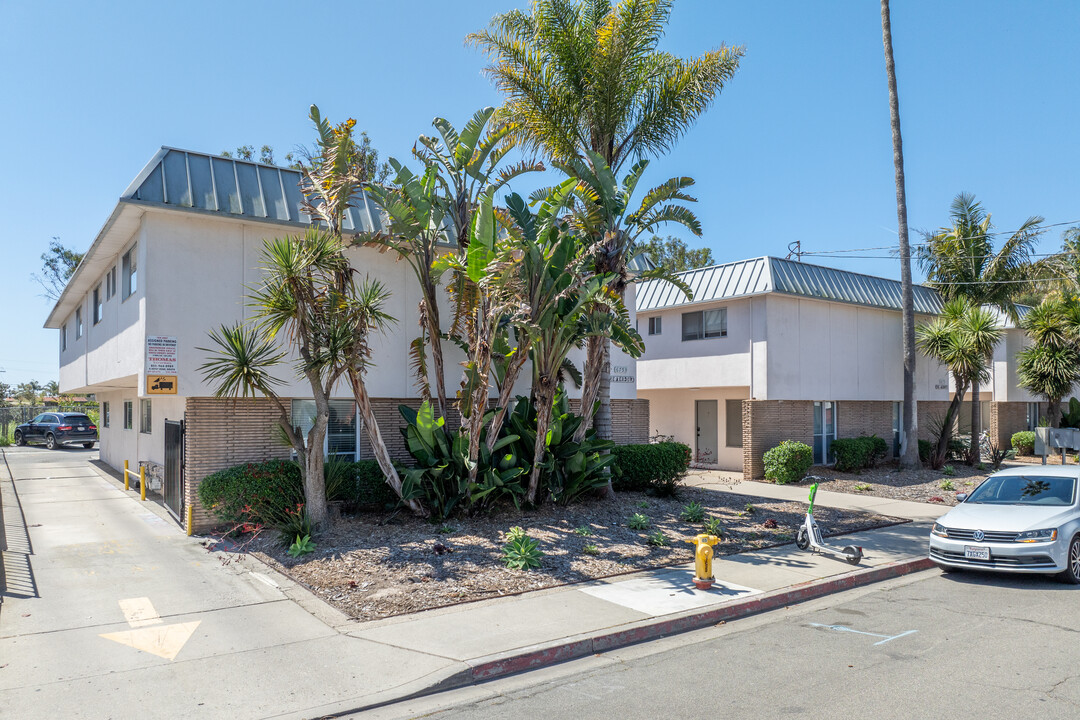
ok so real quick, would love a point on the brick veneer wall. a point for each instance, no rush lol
(1007, 418)
(220, 433)
(767, 423)
(629, 420)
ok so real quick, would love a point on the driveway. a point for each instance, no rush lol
(110, 611)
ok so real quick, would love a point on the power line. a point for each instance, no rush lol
(914, 245)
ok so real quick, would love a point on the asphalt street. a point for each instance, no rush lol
(966, 645)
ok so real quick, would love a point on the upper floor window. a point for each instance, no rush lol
(654, 325)
(110, 282)
(704, 324)
(63, 338)
(78, 323)
(98, 305)
(130, 271)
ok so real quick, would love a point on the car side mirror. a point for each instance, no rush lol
(961, 497)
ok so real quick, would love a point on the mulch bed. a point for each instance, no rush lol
(376, 566)
(923, 485)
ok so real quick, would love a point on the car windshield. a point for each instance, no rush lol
(1025, 490)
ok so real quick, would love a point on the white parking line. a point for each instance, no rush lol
(841, 628)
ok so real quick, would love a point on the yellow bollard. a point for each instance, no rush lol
(703, 556)
(125, 474)
(142, 482)
(190, 521)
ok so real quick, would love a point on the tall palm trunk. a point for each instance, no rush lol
(378, 447)
(910, 453)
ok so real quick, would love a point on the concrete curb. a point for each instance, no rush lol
(534, 657)
(524, 659)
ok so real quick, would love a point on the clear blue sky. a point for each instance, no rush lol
(797, 147)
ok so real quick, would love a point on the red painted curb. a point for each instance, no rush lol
(551, 654)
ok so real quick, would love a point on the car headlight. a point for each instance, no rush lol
(939, 530)
(1031, 536)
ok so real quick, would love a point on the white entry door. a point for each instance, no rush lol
(705, 414)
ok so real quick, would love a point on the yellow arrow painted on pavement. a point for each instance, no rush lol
(165, 641)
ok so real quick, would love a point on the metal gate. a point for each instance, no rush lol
(173, 487)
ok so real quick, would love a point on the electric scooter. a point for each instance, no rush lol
(809, 536)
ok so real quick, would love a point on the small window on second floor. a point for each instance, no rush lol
(130, 271)
(78, 323)
(654, 325)
(63, 338)
(110, 283)
(704, 324)
(98, 305)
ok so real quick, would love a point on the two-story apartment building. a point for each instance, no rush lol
(173, 261)
(771, 350)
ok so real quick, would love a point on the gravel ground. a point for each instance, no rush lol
(375, 566)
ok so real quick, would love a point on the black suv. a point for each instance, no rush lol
(57, 429)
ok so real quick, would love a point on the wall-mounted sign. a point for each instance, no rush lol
(161, 384)
(161, 355)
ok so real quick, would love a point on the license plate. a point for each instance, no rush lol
(82, 428)
(975, 552)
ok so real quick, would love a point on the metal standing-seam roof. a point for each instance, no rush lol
(239, 188)
(768, 274)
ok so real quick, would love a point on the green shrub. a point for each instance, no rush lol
(267, 493)
(788, 462)
(658, 467)
(853, 454)
(1024, 442)
(364, 488)
(570, 469)
(657, 539)
(926, 449)
(638, 521)
(713, 527)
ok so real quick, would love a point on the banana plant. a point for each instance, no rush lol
(564, 303)
(418, 225)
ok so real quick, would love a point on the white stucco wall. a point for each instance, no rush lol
(834, 351)
(670, 362)
(672, 412)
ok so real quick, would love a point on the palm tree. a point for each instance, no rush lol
(1051, 365)
(910, 454)
(1059, 274)
(585, 76)
(960, 261)
(962, 339)
(604, 216)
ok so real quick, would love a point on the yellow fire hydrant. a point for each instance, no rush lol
(704, 579)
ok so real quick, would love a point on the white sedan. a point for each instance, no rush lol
(1018, 520)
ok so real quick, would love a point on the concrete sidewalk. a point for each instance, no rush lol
(261, 646)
